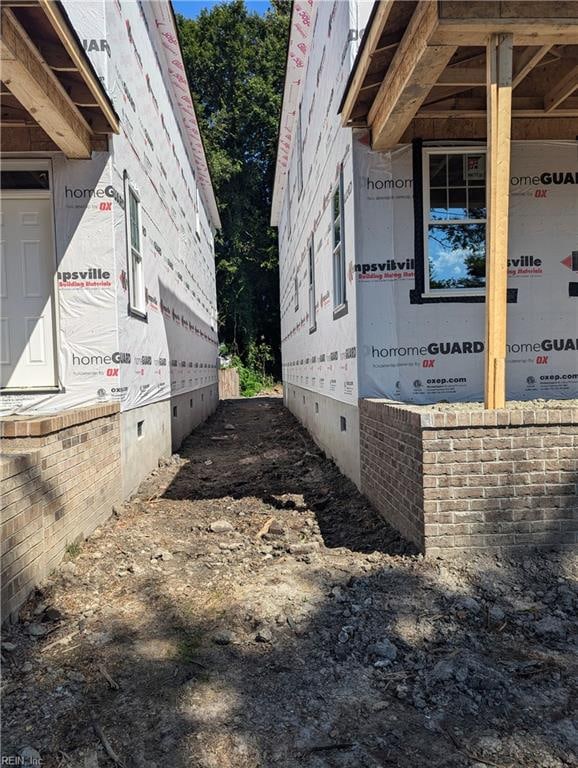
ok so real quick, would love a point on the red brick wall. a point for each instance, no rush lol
(485, 479)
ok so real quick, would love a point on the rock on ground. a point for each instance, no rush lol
(257, 613)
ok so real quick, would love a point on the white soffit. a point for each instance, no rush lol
(300, 40)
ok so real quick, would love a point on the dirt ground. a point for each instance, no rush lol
(249, 609)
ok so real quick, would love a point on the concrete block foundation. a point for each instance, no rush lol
(332, 424)
(158, 429)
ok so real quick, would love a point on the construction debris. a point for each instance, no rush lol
(331, 645)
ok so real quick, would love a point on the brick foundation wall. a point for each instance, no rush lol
(60, 477)
(391, 466)
(462, 480)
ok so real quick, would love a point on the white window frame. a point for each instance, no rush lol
(338, 252)
(136, 280)
(426, 153)
(312, 311)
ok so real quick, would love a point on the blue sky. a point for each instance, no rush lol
(192, 8)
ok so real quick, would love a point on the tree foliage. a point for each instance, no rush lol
(235, 62)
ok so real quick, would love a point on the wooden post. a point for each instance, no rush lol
(499, 108)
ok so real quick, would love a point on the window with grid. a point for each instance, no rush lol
(312, 312)
(137, 294)
(455, 220)
(197, 213)
(339, 277)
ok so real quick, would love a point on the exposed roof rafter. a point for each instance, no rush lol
(437, 71)
(35, 86)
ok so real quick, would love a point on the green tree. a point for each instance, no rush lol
(235, 62)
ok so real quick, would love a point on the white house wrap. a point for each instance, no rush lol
(424, 353)
(108, 348)
(407, 322)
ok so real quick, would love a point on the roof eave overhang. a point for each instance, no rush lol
(54, 99)
(58, 18)
(434, 81)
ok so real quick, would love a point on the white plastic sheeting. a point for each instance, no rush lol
(104, 353)
(323, 360)
(300, 40)
(434, 351)
(388, 345)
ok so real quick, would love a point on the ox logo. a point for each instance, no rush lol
(428, 363)
(112, 371)
(542, 360)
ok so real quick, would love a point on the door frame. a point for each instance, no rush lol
(43, 164)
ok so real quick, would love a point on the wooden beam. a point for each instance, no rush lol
(470, 114)
(473, 32)
(460, 108)
(551, 127)
(413, 71)
(55, 17)
(499, 95)
(562, 91)
(441, 94)
(471, 76)
(508, 9)
(33, 139)
(394, 42)
(371, 81)
(27, 139)
(97, 122)
(369, 49)
(76, 88)
(527, 61)
(37, 89)
(54, 55)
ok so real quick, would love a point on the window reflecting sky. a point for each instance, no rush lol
(457, 256)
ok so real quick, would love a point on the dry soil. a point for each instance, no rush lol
(249, 609)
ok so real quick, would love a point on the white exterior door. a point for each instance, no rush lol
(27, 355)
